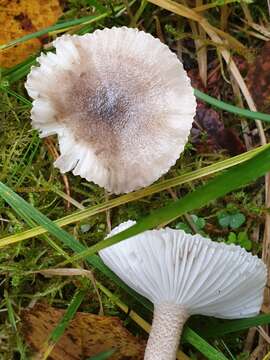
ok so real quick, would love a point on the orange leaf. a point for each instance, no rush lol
(87, 335)
(22, 17)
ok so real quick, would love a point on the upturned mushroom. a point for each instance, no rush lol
(185, 274)
(119, 101)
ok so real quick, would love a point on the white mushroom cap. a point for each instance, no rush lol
(119, 101)
(204, 277)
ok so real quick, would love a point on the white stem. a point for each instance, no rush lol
(164, 337)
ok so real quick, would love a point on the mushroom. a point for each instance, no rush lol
(185, 274)
(119, 101)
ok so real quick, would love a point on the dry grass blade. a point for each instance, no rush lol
(73, 272)
(213, 34)
(177, 9)
(267, 356)
(202, 7)
(190, 14)
(201, 48)
(164, 185)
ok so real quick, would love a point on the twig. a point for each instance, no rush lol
(257, 353)
(159, 29)
(263, 334)
(249, 340)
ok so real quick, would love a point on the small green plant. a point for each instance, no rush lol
(183, 226)
(199, 223)
(241, 239)
(231, 217)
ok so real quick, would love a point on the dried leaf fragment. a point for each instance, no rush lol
(258, 79)
(19, 18)
(209, 133)
(87, 335)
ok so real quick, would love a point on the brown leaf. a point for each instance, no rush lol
(22, 17)
(208, 133)
(87, 335)
(258, 79)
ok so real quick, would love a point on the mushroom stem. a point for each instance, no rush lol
(167, 326)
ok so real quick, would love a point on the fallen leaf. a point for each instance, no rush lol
(258, 79)
(87, 335)
(19, 18)
(209, 133)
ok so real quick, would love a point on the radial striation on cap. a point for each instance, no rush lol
(119, 101)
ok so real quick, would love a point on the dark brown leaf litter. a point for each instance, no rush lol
(258, 79)
(209, 132)
(87, 335)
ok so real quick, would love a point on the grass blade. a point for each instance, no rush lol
(232, 179)
(94, 210)
(17, 96)
(26, 210)
(19, 71)
(231, 326)
(231, 108)
(207, 350)
(62, 325)
(13, 324)
(32, 215)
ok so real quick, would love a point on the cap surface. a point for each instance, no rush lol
(120, 102)
(206, 277)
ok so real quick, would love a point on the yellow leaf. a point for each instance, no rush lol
(19, 18)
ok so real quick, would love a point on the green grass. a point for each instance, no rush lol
(38, 230)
